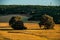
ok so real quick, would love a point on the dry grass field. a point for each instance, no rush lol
(29, 34)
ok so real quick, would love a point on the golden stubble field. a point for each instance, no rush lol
(29, 34)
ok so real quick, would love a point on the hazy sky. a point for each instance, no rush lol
(30, 2)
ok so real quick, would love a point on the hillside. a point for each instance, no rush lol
(32, 11)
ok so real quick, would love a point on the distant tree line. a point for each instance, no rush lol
(34, 10)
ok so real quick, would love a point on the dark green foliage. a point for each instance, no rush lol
(34, 10)
(47, 21)
(17, 25)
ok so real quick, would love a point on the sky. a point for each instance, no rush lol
(30, 2)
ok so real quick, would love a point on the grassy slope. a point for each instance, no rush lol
(30, 34)
(28, 25)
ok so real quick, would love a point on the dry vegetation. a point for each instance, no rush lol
(29, 34)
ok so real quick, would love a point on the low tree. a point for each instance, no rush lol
(16, 23)
(47, 21)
